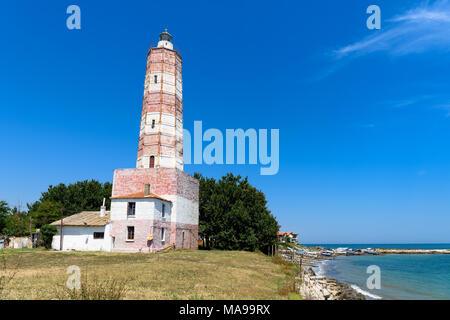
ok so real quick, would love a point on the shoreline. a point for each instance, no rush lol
(317, 268)
(315, 283)
(312, 286)
(322, 267)
(316, 287)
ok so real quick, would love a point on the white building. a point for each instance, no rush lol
(85, 231)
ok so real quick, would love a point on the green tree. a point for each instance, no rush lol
(84, 195)
(17, 223)
(234, 215)
(47, 233)
(4, 211)
(46, 213)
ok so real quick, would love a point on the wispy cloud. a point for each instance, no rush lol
(418, 30)
(433, 101)
(414, 100)
(446, 108)
(403, 103)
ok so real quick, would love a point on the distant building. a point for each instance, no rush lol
(287, 237)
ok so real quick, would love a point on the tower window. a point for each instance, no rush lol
(131, 209)
(130, 234)
(156, 79)
(152, 161)
(163, 211)
(153, 123)
(163, 234)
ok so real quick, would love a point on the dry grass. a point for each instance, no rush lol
(94, 289)
(180, 274)
(7, 272)
(290, 270)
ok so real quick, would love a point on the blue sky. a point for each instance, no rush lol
(364, 115)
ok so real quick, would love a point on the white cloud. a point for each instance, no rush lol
(421, 29)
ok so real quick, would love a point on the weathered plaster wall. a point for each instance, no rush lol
(82, 238)
(144, 228)
(180, 222)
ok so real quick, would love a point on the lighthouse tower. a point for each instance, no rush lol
(161, 132)
(155, 205)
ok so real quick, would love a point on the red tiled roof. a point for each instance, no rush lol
(283, 233)
(140, 195)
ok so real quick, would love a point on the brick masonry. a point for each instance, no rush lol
(162, 110)
(163, 181)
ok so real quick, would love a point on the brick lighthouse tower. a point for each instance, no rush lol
(161, 134)
(156, 204)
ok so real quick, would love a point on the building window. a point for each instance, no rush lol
(131, 209)
(156, 79)
(163, 234)
(130, 235)
(99, 235)
(152, 161)
(153, 123)
(163, 211)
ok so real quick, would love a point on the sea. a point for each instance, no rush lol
(402, 276)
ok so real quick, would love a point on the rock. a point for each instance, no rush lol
(321, 288)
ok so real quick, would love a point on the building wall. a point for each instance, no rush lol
(82, 239)
(180, 222)
(185, 211)
(163, 182)
(20, 242)
(145, 209)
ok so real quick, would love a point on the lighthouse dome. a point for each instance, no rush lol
(165, 40)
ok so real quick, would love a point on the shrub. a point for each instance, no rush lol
(47, 233)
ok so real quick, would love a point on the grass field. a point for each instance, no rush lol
(180, 274)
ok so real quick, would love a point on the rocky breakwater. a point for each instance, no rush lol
(313, 287)
(414, 251)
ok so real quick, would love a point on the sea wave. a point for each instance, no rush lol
(319, 268)
(367, 294)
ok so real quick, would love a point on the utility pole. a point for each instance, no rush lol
(31, 231)
(61, 231)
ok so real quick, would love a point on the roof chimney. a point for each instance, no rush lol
(147, 190)
(103, 209)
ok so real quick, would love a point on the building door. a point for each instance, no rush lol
(182, 240)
